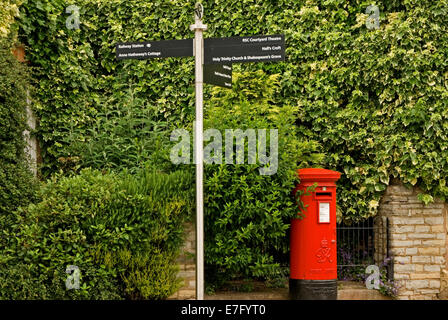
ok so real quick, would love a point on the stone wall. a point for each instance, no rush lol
(418, 242)
(187, 265)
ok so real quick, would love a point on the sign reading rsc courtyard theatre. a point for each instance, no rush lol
(213, 64)
(244, 49)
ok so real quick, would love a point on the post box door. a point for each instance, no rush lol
(322, 263)
(313, 246)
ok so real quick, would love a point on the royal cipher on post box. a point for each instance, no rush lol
(313, 258)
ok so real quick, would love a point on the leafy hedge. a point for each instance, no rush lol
(122, 231)
(375, 99)
(9, 10)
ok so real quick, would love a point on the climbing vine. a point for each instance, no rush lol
(375, 98)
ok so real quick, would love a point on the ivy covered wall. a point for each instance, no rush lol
(376, 100)
(16, 181)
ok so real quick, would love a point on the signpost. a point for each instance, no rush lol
(213, 64)
(199, 28)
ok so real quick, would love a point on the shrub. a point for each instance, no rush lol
(248, 214)
(117, 215)
(125, 134)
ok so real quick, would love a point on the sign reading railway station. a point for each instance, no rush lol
(213, 64)
(154, 49)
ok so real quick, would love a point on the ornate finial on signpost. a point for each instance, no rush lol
(198, 15)
(199, 10)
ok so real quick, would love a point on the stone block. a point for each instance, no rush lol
(441, 236)
(190, 267)
(404, 268)
(421, 236)
(435, 205)
(424, 275)
(399, 190)
(438, 260)
(438, 228)
(421, 259)
(401, 243)
(411, 206)
(434, 220)
(417, 284)
(186, 294)
(430, 294)
(407, 220)
(434, 243)
(421, 297)
(397, 251)
(431, 268)
(399, 236)
(403, 229)
(418, 268)
(401, 276)
(432, 212)
(434, 284)
(428, 251)
(422, 229)
(186, 274)
(411, 251)
(398, 198)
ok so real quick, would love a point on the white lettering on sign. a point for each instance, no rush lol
(324, 212)
(223, 75)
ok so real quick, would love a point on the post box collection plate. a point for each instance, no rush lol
(324, 212)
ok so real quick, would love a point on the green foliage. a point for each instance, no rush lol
(148, 275)
(9, 10)
(376, 100)
(125, 134)
(16, 181)
(136, 217)
(248, 214)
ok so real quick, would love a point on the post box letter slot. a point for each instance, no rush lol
(323, 194)
(324, 212)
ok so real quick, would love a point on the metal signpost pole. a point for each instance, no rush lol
(198, 27)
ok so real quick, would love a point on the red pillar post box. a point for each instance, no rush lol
(313, 258)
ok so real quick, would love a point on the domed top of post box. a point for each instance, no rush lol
(318, 174)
